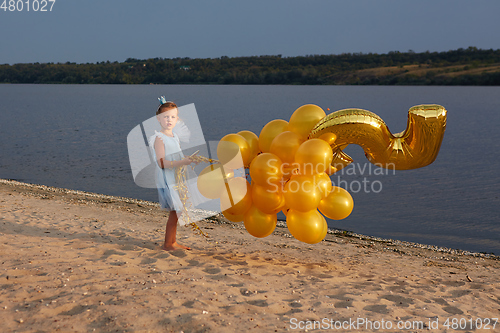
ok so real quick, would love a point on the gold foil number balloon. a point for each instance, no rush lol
(416, 147)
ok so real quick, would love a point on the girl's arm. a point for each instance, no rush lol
(164, 163)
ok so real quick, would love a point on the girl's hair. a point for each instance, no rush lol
(165, 107)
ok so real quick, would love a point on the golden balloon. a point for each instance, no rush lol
(258, 223)
(323, 183)
(267, 199)
(325, 230)
(284, 145)
(269, 132)
(304, 119)
(211, 180)
(232, 217)
(301, 193)
(337, 205)
(253, 144)
(307, 227)
(233, 151)
(313, 156)
(290, 170)
(281, 206)
(328, 137)
(285, 208)
(265, 170)
(236, 198)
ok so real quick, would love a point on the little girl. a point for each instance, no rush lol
(168, 155)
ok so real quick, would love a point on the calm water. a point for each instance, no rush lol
(75, 137)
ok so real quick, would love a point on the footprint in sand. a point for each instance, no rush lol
(213, 270)
(378, 308)
(399, 301)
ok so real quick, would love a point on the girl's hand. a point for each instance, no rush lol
(193, 158)
(186, 161)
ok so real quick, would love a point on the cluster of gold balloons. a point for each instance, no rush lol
(288, 172)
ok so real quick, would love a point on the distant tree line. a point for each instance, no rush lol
(348, 68)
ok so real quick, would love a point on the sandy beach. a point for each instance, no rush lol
(80, 262)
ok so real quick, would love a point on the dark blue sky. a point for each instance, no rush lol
(98, 30)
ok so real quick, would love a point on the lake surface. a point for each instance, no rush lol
(75, 136)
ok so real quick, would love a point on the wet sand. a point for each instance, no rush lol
(79, 262)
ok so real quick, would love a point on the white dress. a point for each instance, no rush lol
(165, 178)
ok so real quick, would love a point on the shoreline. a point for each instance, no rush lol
(471, 66)
(83, 262)
(44, 191)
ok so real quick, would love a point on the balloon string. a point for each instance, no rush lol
(183, 191)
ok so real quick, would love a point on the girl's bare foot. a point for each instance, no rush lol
(175, 246)
(168, 248)
(179, 246)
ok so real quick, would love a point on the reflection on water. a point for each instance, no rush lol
(75, 137)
